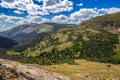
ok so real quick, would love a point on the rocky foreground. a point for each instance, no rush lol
(10, 70)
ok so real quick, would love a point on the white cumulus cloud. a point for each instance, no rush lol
(109, 10)
(36, 19)
(18, 12)
(60, 19)
(10, 21)
(4, 19)
(23, 5)
(55, 6)
(81, 4)
(84, 14)
(88, 13)
(7, 22)
(47, 6)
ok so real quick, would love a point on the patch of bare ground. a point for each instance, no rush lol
(10, 70)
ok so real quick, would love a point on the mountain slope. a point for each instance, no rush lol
(28, 35)
(66, 44)
(6, 43)
(110, 22)
(25, 33)
(69, 44)
(89, 40)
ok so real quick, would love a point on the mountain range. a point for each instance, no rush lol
(50, 43)
(63, 48)
(27, 35)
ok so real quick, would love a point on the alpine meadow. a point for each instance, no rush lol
(59, 40)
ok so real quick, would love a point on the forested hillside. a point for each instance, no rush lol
(67, 44)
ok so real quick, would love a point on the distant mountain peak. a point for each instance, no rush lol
(110, 22)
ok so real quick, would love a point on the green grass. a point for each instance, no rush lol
(10, 52)
(62, 37)
(64, 45)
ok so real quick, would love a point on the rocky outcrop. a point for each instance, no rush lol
(10, 70)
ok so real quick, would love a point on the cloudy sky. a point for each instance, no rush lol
(18, 12)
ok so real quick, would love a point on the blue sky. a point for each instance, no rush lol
(18, 12)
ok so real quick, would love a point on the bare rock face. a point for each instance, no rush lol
(10, 70)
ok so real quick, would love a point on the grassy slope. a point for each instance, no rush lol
(60, 40)
(86, 70)
(110, 22)
(88, 43)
